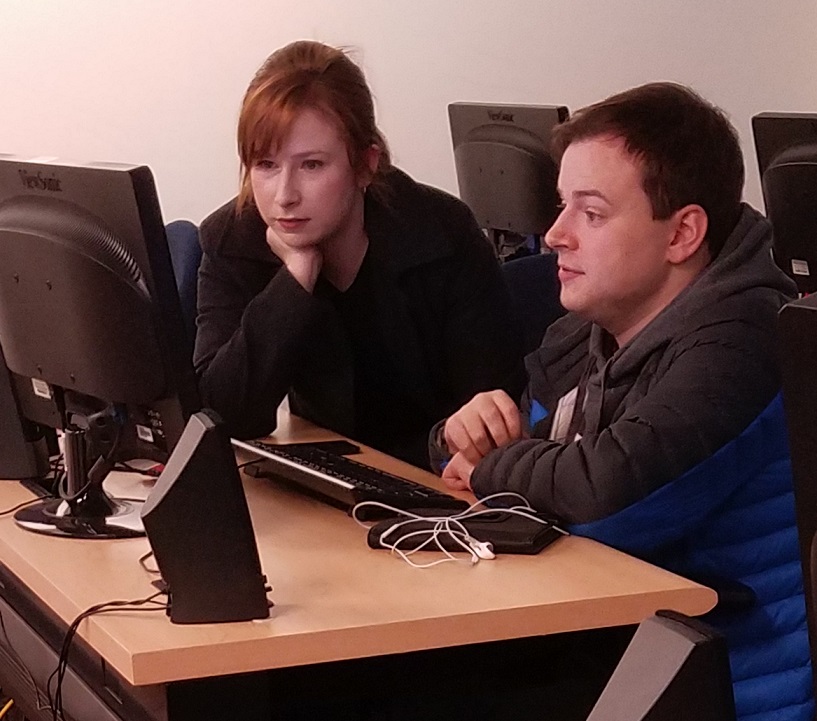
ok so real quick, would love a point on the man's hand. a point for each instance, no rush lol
(304, 264)
(487, 421)
(457, 473)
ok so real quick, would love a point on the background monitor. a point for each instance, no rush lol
(91, 330)
(505, 171)
(786, 145)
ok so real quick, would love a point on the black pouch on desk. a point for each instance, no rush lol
(506, 532)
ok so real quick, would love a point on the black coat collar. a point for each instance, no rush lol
(399, 228)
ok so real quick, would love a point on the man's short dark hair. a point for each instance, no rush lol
(689, 151)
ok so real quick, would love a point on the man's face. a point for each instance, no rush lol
(306, 189)
(613, 263)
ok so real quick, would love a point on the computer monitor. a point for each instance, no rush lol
(786, 145)
(92, 334)
(505, 171)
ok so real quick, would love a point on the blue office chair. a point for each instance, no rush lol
(185, 254)
(533, 283)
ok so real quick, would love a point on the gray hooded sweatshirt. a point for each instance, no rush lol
(687, 384)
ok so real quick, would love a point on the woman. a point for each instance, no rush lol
(373, 301)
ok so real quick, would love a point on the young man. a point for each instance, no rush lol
(651, 420)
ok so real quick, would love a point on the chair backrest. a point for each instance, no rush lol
(533, 283)
(797, 331)
(675, 669)
(185, 253)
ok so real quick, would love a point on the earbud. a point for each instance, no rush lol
(483, 549)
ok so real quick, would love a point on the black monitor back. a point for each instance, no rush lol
(786, 145)
(88, 300)
(798, 342)
(505, 172)
(675, 669)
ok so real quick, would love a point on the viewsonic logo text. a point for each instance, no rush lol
(40, 181)
(500, 115)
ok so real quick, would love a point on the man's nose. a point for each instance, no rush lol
(558, 235)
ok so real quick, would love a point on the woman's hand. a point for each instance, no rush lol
(304, 264)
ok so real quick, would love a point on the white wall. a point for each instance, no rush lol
(159, 81)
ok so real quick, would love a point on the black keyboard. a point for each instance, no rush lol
(341, 481)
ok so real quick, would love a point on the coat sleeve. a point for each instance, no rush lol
(483, 348)
(714, 387)
(247, 352)
(439, 454)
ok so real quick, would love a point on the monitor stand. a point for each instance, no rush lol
(85, 510)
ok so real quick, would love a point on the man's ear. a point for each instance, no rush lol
(690, 224)
(371, 158)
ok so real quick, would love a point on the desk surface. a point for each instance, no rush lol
(334, 597)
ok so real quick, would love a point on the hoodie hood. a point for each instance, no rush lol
(744, 268)
(744, 271)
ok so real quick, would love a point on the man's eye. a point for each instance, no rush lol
(592, 216)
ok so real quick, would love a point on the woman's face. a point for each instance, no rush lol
(306, 190)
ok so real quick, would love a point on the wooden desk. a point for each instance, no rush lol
(334, 597)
